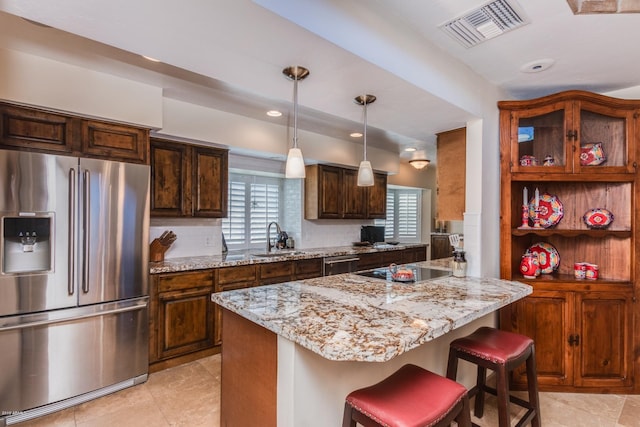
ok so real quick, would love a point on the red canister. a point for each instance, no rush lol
(580, 270)
(591, 271)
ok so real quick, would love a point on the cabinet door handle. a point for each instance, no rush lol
(572, 134)
(574, 340)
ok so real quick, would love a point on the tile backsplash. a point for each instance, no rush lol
(196, 237)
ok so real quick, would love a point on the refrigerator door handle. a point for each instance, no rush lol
(11, 325)
(72, 231)
(86, 224)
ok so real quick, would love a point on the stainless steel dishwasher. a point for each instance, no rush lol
(339, 264)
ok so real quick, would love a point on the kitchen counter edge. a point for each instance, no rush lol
(237, 258)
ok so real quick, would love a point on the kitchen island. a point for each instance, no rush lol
(292, 351)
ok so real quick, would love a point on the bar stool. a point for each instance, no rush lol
(501, 352)
(410, 397)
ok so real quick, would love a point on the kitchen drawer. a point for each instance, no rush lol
(275, 272)
(307, 268)
(370, 260)
(229, 278)
(418, 254)
(180, 281)
(389, 257)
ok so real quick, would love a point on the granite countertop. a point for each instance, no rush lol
(348, 317)
(235, 258)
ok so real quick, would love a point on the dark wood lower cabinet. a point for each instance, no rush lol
(582, 337)
(370, 260)
(275, 272)
(416, 254)
(185, 320)
(181, 320)
(307, 268)
(440, 246)
(185, 325)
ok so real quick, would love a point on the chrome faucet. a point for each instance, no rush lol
(269, 246)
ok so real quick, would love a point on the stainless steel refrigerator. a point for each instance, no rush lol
(73, 280)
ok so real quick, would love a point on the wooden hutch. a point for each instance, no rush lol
(585, 331)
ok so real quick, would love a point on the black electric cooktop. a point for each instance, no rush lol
(419, 273)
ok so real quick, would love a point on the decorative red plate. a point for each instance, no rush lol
(551, 210)
(548, 257)
(598, 218)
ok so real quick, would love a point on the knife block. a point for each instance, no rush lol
(157, 250)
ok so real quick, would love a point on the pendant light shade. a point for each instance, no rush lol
(365, 172)
(295, 164)
(295, 161)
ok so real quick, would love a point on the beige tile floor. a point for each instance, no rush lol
(189, 395)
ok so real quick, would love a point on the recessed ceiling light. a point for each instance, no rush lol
(410, 149)
(274, 113)
(537, 66)
(355, 135)
(148, 58)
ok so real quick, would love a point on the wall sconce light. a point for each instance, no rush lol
(365, 172)
(295, 163)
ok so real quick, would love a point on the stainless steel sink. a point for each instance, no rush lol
(278, 254)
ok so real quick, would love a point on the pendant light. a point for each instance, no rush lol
(295, 162)
(365, 173)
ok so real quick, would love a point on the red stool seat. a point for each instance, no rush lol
(502, 352)
(411, 397)
(494, 345)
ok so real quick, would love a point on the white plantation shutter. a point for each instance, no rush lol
(407, 215)
(264, 207)
(254, 201)
(233, 226)
(403, 215)
(389, 223)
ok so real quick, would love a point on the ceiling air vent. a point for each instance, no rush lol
(485, 23)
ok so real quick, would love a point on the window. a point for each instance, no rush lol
(254, 201)
(403, 215)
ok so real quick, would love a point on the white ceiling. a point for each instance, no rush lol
(229, 55)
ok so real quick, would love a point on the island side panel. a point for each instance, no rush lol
(249, 373)
(312, 389)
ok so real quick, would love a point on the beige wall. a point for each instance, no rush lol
(39, 81)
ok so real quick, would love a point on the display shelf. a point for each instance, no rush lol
(545, 232)
(568, 317)
(569, 280)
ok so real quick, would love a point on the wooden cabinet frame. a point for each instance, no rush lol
(188, 180)
(585, 330)
(38, 129)
(331, 192)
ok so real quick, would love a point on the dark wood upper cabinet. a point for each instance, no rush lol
(188, 180)
(377, 197)
(332, 192)
(209, 182)
(112, 141)
(322, 192)
(33, 129)
(169, 178)
(354, 197)
(26, 128)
